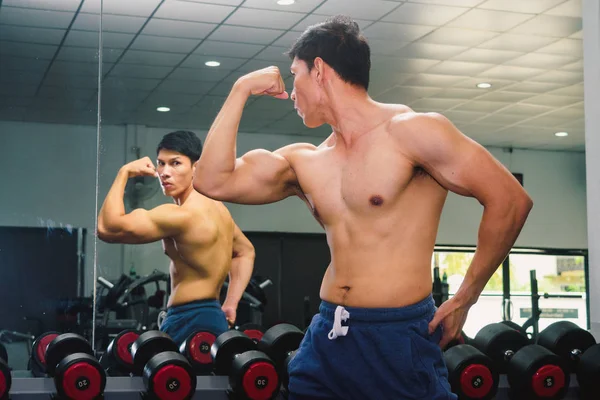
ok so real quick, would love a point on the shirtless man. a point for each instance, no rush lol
(377, 185)
(198, 235)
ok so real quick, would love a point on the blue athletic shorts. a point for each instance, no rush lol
(184, 319)
(370, 353)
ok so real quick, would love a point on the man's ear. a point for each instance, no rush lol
(319, 68)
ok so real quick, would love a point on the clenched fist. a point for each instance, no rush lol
(141, 167)
(266, 81)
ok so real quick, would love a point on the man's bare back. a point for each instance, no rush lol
(380, 213)
(201, 254)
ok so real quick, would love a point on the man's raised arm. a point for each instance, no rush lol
(139, 226)
(258, 177)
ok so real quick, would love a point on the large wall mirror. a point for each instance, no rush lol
(48, 135)
(508, 74)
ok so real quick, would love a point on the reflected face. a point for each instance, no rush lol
(306, 95)
(176, 172)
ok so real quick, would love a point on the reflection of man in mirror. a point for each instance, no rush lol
(198, 234)
(377, 184)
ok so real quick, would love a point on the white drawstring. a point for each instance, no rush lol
(161, 318)
(338, 330)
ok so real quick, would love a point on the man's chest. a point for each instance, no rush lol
(362, 182)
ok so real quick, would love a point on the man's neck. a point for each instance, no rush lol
(183, 197)
(352, 113)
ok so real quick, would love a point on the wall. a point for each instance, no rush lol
(53, 166)
(49, 179)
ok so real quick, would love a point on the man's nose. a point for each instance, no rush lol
(164, 172)
(293, 95)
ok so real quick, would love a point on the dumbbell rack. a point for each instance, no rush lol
(208, 387)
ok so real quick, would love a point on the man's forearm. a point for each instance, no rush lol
(219, 155)
(500, 226)
(239, 276)
(113, 206)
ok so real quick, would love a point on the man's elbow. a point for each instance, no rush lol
(525, 204)
(105, 234)
(109, 234)
(208, 187)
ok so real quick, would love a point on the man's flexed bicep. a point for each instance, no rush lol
(258, 177)
(145, 226)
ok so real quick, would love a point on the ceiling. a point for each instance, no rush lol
(428, 54)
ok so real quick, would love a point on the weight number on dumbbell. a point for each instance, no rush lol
(173, 385)
(262, 382)
(83, 383)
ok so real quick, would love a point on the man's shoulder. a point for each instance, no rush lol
(405, 117)
(292, 151)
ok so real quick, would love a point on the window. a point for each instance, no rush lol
(488, 309)
(561, 283)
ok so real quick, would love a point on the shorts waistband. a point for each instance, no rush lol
(193, 305)
(418, 310)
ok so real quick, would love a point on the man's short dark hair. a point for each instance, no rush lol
(184, 142)
(340, 44)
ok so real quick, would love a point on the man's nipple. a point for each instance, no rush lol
(376, 200)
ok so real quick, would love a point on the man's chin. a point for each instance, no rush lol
(312, 124)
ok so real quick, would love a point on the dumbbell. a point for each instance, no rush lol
(471, 373)
(196, 348)
(517, 327)
(252, 374)
(77, 373)
(167, 374)
(588, 373)
(566, 340)
(279, 342)
(462, 339)
(578, 348)
(117, 359)
(533, 371)
(37, 361)
(5, 375)
(253, 331)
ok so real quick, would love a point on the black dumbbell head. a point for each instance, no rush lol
(196, 348)
(280, 340)
(118, 353)
(147, 345)
(38, 352)
(588, 373)
(471, 373)
(254, 376)
(499, 342)
(253, 331)
(567, 340)
(79, 376)
(226, 347)
(515, 326)
(5, 379)
(169, 375)
(536, 373)
(462, 339)
(62, 346)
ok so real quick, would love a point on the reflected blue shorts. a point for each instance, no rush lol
(184, 319)
(370, 353)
